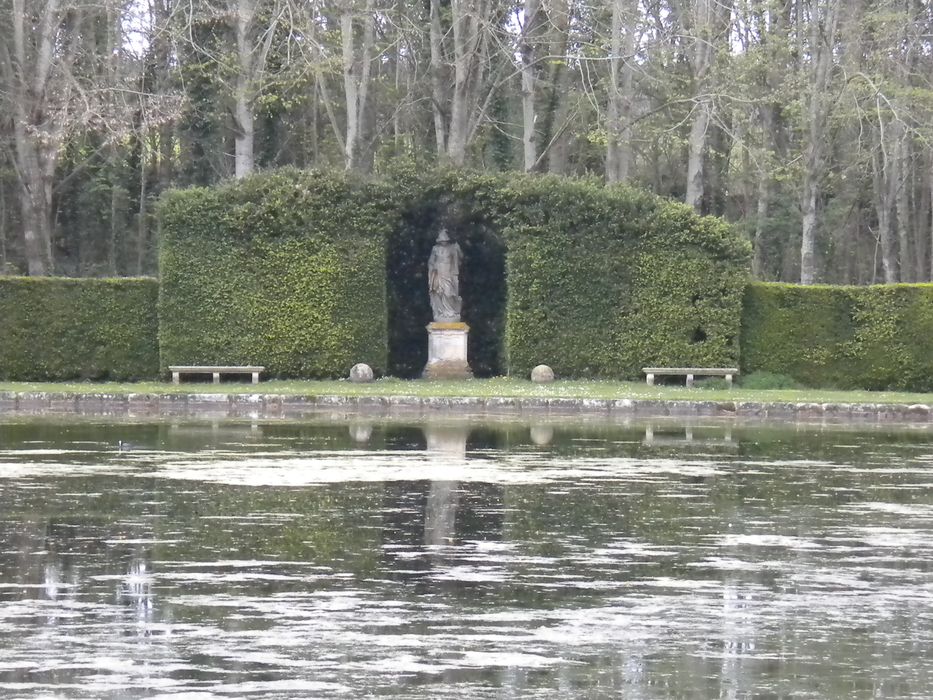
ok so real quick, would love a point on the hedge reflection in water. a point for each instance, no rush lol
(464, 559)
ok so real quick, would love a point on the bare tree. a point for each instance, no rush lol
(706, 23)
(823, 20)
(621, 90)
(60, 78)
(532, 14)
(357, 67)
(253, 27)
(38, 48)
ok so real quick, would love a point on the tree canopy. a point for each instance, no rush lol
(805, 122)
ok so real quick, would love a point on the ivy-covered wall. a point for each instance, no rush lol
(876, 337)
(56, 329)
(285, 270)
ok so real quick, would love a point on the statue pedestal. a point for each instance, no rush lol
(447, 351)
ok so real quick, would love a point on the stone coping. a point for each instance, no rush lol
(287, 406)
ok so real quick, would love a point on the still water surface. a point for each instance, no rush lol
(464, 560)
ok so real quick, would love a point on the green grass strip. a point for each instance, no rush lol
(482, 388)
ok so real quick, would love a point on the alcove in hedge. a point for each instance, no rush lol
(482, 281)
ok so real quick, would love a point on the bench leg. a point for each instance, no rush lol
(216, 377)
(650, 378)
(255, 377)
(175, 378)
(729, 380)
(689, 381)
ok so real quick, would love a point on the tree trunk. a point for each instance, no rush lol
(822, 43)
(36, 134)
(350, 90)
(3, 226)
(438, 96)
(704, 30)
(35, 203)
(885, 179)
(761, 219)
(696, 158)
(114, 213)
(906, 252)
(463, 69)
(469, 18)
(355, 82)
(529, 71)
(555, 116)
(400, 47)
(163, 58)
(142, 222)
(244, 130)
(621, 91)
(808, 223)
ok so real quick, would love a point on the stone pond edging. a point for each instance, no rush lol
(286, 406)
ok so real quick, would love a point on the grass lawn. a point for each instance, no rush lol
(482, 388)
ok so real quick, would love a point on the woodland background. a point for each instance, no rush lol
(807, 123)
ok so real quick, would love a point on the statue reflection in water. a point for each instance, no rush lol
(430, 526)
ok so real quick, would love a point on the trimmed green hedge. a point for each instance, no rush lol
(55, 329)
(307, 273)
(605, 280)
(285, 270)
(600, 281)
(876, 337)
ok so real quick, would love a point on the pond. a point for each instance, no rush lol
(464, 559)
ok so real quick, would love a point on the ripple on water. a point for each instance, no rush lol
(594, 566)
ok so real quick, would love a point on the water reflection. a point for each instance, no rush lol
(468, 560)
(677, 435)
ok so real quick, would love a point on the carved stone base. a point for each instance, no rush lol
(447, 351)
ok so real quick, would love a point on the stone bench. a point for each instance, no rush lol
(691, 372)
(216, 371)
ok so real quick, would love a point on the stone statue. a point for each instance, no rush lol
(444, 279)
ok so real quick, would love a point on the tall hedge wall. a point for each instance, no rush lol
(54, 329)
(307, 273)
(600, 281)
(605, 280)
(876, 337)
(285, 270)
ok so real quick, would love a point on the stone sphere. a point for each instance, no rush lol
(361, 373)
(542, 374)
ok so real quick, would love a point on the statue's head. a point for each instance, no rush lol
(442, 237)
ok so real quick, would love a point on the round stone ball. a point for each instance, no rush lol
(542, 374)
(361, 373)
